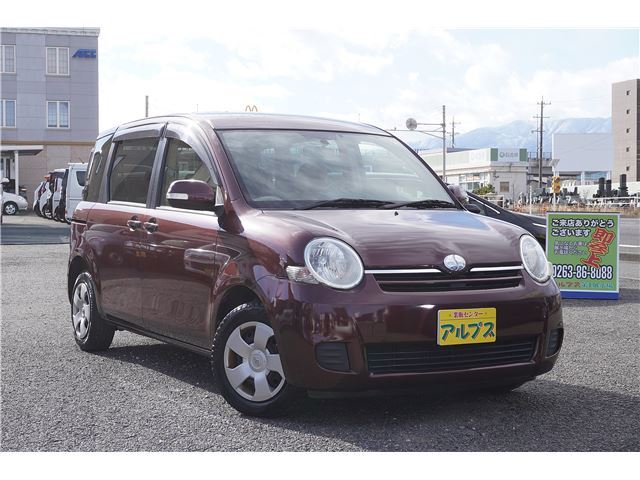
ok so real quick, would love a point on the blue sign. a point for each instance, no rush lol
(85, 53)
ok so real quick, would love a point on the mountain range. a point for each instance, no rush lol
(516, 134)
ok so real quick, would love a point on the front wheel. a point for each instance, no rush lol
(10, 208)
(246, 363)
(91, 332)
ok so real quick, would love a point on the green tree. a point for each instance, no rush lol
(483, 190)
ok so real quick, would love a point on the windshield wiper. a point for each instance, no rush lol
(430, 203)
(348, 202)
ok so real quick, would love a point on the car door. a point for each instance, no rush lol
(178, 260)
(115, 226)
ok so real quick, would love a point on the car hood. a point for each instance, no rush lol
(408, 238)
(534, 218)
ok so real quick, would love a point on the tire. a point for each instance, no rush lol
(235, 349)
(10, 208)
(90, 331)
(37, 211)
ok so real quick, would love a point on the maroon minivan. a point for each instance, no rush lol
(303, 253)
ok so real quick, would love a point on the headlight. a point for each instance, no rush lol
(331, 262)
(534, 259)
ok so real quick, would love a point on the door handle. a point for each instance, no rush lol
(151, 226)
(134, 223)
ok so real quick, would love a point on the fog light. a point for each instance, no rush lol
(555, 341)
(333, 356)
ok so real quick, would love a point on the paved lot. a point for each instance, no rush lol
(143, 395)
(29, 229)
(630, 238)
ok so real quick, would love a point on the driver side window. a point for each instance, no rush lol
(182, 163)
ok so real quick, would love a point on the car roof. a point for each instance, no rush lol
(249, 121)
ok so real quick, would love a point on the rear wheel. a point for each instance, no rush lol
(90, 330)
(246, 363)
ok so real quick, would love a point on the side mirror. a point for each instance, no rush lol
(195, 195)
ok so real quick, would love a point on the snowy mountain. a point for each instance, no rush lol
(516, 134)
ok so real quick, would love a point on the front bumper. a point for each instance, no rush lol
(305, 316)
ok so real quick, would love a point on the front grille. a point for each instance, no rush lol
(474, 279)
(429, 357)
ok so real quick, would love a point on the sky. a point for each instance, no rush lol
(317, 62)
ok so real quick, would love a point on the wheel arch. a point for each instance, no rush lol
(76, 267)
(233, 296)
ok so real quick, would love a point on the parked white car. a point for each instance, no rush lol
(74, 187)
(36, 198)
(12, 203)
(44, 200)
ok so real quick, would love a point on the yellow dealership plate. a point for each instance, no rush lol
(466, 326)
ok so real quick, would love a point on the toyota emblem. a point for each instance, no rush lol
(454, 263)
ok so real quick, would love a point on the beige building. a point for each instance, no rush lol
(48, 101)
(625, 125)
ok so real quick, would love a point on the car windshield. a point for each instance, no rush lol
(295, 169)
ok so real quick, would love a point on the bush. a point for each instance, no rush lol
(484, 190)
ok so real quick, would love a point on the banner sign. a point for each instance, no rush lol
(583, 248)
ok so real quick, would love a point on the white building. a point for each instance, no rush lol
(583, 156)
(507, 169)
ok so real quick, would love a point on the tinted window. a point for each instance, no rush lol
(131, 170)
(182, 163)
(95, 171)
(80, 176)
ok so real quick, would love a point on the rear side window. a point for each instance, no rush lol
(81, 176)
(131, 170)
(95, 171)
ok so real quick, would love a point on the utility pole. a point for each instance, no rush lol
(440, 133)
(444, 143)
(540, 130)
(146, 106)
(453, 131)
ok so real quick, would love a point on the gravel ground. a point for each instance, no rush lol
(142, 395)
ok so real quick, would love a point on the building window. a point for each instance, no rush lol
(628, 130)
(628, 111)
(627, 168)
(57, 61)
(628, 149)
(58, 114)
(8, 113)
(504, 187)
(7, 59)
(628, 92)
